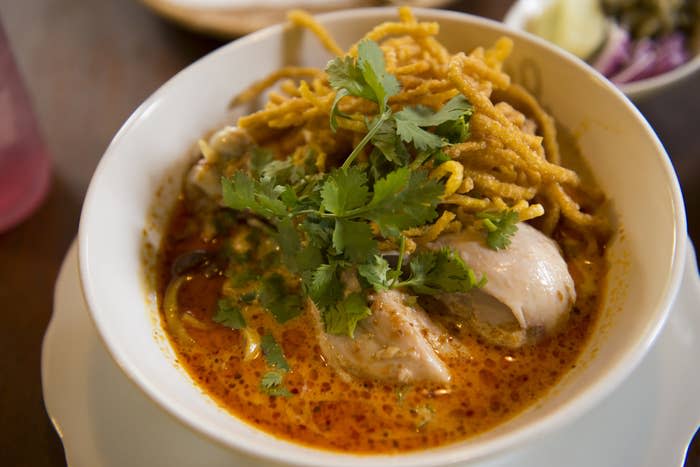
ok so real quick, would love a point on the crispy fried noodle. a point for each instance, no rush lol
(510, 161)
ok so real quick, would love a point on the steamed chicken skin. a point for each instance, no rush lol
(397, 343)
(529, 291)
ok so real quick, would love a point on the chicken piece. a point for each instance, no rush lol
(225, 149)
(397, 343)
(529, 290)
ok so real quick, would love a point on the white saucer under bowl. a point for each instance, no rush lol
(106, 421)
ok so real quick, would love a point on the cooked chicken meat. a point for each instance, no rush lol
(398, 343)
(219, 154)
(529, 290)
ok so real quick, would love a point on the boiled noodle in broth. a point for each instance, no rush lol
(332, 272)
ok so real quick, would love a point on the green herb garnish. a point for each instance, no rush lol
(323, 223)
(272, 384)
(499, 226)
(410, 123)
(249, 297)
(274, 356)
(278, 299)
(367, 78)
(440, 271)
(342, 318)
(228, 315)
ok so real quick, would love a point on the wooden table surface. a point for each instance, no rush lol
(87, 65)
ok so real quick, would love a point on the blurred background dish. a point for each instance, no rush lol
(643, 46)
(231, 18)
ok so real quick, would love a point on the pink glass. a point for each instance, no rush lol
(25, 167)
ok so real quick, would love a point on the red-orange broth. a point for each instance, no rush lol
(327, 411)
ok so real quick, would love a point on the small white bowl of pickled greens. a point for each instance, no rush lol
(643, 46)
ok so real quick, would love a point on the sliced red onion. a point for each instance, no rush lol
(671, 53)
(615, 52)
(640, 65)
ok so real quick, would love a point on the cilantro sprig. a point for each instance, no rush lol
(276, 297)
(367, 78)
(274, 356)
(440, 271)
(272, 382)
(500, 226)
(229, 315)
(327, 225)
(412, 121)
(342, 319)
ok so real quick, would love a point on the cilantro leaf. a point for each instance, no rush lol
(272, 378)
(335, 111)
(378, 166)
(288, 196)
(390, 186)
(228, 315)
(412, 133)
(403, 199)
(377, 273)
(439, 157)
(238, 191)
(241, 278)
(342, 319)
(318, 231)
(274, 356)
(411, 121)
(456, 109)
(344, 74)
(365, 77)
(344, 190)
(354, 239)
(454, 131)
(388, 142)
(370, 60)
(325, 289)
(278, 300)
(440, 271)
(308, 258)
(241, 192)
(285, 171)
(248, 297)
(259, 158)
(287, 238)
(271, 384)
(422, 116)
(499, 226)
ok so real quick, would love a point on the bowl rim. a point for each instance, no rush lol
(569, 410)
(518, 12)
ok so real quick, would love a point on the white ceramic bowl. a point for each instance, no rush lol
(626, 156)
(523, 10)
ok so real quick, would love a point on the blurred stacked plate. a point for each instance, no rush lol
(231, 18)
